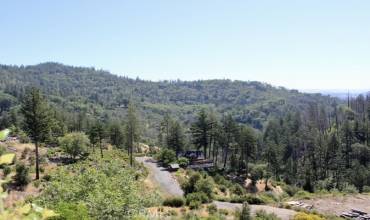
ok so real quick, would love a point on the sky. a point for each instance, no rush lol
(312, 44)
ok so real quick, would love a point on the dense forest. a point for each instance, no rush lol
(84, 92)
(249, 130)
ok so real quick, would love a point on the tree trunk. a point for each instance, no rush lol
(37, 160)
(101, 148)
(131, 151)
(226, 155)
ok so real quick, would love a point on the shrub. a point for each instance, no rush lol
(47, 177)
(189, 186)
(205, 185)
(166, 156)
(326, 184)
(212, 209)
(349, 188)
(238, 189)
(269, 197)
(21, 177)
(183, 162)
(72, 211)
(74, 144)
(223, 211)
(194, 204)
(223, 188)
(366, 189)
(291, 190)
(2, 150)
(25, 152)
(171, 213)
(305, 216)
(7, 170)
(246, 212)
(251, 199)
(197, 196)
(303, 194)
(174, 202)
(23, 138)
(263, 215)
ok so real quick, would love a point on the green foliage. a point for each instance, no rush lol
(249, 198)
(4, 134)
(194, 204)
(349, 188)
(246, 212)
(71, 211)
(305, 216)
(366, 189)
(212, 209)
(7, 159)
(290, 190)
(74, 144)
(183, 162)
(21, 177)
(238, 189)
(257, 172)
(205, 185)
(107, 187)
(174, 202)
(200, 197)
(263, 215)
(166, 156)
(7, 170)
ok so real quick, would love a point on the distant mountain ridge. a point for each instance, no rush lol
(98, 92)
(340, 93)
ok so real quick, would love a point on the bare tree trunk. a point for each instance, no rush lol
(101, 148)
(37, 160)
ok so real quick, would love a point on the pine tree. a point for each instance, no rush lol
(132, 130)
(37, 120)
(200, 132)
(175, 137)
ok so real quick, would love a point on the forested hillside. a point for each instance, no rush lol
(85, 92)
(263, 144)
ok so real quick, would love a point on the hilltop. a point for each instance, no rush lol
(101, 94)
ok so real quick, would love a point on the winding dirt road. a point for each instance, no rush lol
(169, 186)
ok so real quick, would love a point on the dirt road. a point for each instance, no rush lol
(167, 184)
(338, 204)
(170, 187)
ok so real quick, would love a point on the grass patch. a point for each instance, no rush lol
(4, 134)
(7, 159)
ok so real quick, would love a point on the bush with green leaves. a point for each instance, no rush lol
(249, 198)
(71, 211)
(74, 144)
(205, 185)
(197, 196)
(290, 189)
(107, 187)
(166, 156)
(263, 215)
(349, 188)
(22, 177)
(183, 162)
(7, 170)
(238, 189)
(366, 189)
(246, 212)
(174, 202)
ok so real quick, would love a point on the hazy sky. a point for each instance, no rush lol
(312, 44)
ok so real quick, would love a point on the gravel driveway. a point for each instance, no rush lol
(170, 187)
(166, 182)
